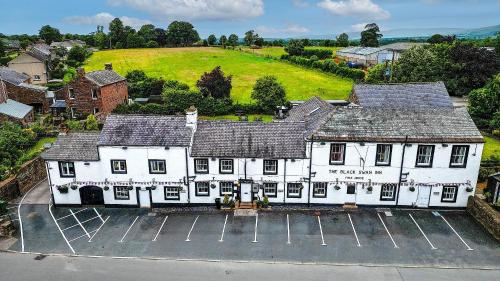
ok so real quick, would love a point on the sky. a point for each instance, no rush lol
(269, 18)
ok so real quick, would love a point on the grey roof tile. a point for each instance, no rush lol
(104, 77)
(15, 109)
(249, 140)
(13, 77)
(81, 146)
(145, 130)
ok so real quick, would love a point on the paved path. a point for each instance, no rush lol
(80, 268)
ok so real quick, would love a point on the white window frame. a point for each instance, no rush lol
(155, 166)
(270, 189)
(224, 165)
(296, 187)
(320, 189)
(121, 168)
(72, 112)
(339, 150)
(197, 165)
(270, 167)
(226, 188)
(201, 185)
(424, 157)
(65, 169)
(172, 193)
(383, 151)
(461, 154)
(121, 192)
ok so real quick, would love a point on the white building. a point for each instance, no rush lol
(420, 153)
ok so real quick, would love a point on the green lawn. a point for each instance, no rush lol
(39, 145)
(188, 64)
(276, 52)
(491, 147)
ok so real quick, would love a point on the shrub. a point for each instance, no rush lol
(74, 125)
(320, 53)
(91, 123)
(295, 47)
(152, 44)
(268, 93)
(484, 172)
(327, 66)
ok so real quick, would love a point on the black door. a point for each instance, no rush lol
(92, 195)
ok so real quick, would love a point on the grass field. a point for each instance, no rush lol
(188, 64)
(276, 52)
(491, 147)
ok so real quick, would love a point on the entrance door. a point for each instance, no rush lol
(91, 195)
(424, 194)
(350, 196)
(246, 192)
(145, 198)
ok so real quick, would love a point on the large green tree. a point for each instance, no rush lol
(343, 40)
(295, 47)
(215, 84)
(249, 37)
(223, 41)
(181, 34)
(161, 36)
(147, 32)
(117, 33)
(50, 34)
(484, 104)
(233, 40)
(370, 36)
(269, 93)
(211, 40)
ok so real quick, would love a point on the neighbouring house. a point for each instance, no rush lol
(11, 44)
(67, 44)
(11, 110)
(33, 62)
(370, 56)
(18, 88)
(412, 156)
(96, 92)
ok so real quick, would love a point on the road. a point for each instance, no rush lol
(13, 267)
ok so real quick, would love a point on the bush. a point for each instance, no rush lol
(152, 44)
(269, 93)
(215, 84)
(180, 100)
(320, 53)
(327, 66)
(484, 172)
(91, 123)
(295, 47)
(74, 125)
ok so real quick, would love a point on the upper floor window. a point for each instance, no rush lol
(270, 189)
(319, 189)
(425, 154)
(337, 153)
(67, 169)
(459, 156)
(388, 191)
(37, 77)
(94, 94)
(157, 167)
(383, 155)
(270, 167)
(201, 166)
(118, 166)
(226, 187)
(226, 166)
(449, 194)
(71, 93)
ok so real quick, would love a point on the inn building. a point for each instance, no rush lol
(394, 145)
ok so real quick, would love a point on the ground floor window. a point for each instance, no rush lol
(226, 187)
(202, 188)
(351, 189)
(294, 190)
(388, 191)
(449, 194)
(270, 189)
(122, 193)
(319, 189)
(172, 193)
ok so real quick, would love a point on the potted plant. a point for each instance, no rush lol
(370, 188)
(265, 202)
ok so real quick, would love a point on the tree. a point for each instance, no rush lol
(211, 40)
(370, 36)
(259, 41)
(161, 37)
(2, 48)
(249, 37)
(77, 55)
(484, 104)
(135, 41)
(117, 33)
(268, 93)
(215, 84)
(377, 74)
(223, 41)
(343, 40)
(91, 123)
(295, 47)
(147, 32)
(100, 38)
(438, 38)
(181, 33)
(233, 40)
(496, 44)
(49, 34)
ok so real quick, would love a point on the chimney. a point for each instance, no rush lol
(80, 72)
(191, 117)
(108, 66)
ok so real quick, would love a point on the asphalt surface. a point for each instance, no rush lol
(59, 268)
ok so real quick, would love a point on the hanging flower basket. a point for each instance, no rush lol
(153, 187)
(180, 188)
(106, 188)
(337, 187)
(74, 187)
(213, 186)
(130, 188)
(412, 188)
(370, 188)
(63, 189)
(469, 189)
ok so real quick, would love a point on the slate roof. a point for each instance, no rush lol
(145, 130)
(59, 104)
(39, 51)
(363, 51)
(313, 112)
(432, 94)
(13, 77)
(81, 146)
(433, 125)
(33, 87)
(15, 109)
(104, 77)
(249, 140)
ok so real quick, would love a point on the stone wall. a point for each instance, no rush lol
(30, 174)
(488, 217)
(9, 189)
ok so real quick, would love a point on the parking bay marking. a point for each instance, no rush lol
(223, 229)
(87, 220)
(189, 234)
(425, 236)
(121, 241)
(67, 216)
(78, 221)
(390, 236)
(468, 248)
(58, 227)
(99, 215)
(288, 228)
(256, 224)
(99, 228)
(354, 230)
(159, 230)
(321, 231)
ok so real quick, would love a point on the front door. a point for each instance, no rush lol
(350, 196)
(424, 194)
(144, 197)
(91, 195)
(246, 192)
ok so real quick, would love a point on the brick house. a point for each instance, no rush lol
(96, 92)
(11, 110)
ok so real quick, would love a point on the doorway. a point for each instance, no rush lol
(246, 192)
(144, 197)
(91, 195)
(350, 196)
(423, 196)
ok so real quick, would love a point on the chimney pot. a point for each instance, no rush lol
(108, 66)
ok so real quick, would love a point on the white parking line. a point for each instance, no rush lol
(81, 236)
(87, 220)
(67, 216)
(321, 231)
(189, 234)
(99, 215)
(354, 230)
(124, 235)
(425, 236)
(78, 221)
(468, 248)
(223, 229)
(288, 228)
(97, 230)
(256, 224)
(159, 230)
(390, 236)
(58, 227)
(19, 213)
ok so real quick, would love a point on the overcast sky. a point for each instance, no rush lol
(270, 18)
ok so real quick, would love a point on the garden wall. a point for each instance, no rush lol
(488, 217)
(30, 174)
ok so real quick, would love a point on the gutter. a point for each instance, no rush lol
(187, 175)
(401, 169)
(310, 167)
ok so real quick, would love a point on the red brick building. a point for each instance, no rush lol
(96, 92)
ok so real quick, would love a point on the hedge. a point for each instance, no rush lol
(326, 66)
(320, 53)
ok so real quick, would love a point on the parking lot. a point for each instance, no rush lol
(368, 236)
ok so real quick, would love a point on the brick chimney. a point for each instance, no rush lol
(80, 72)
(108, 66)
(192, 117)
